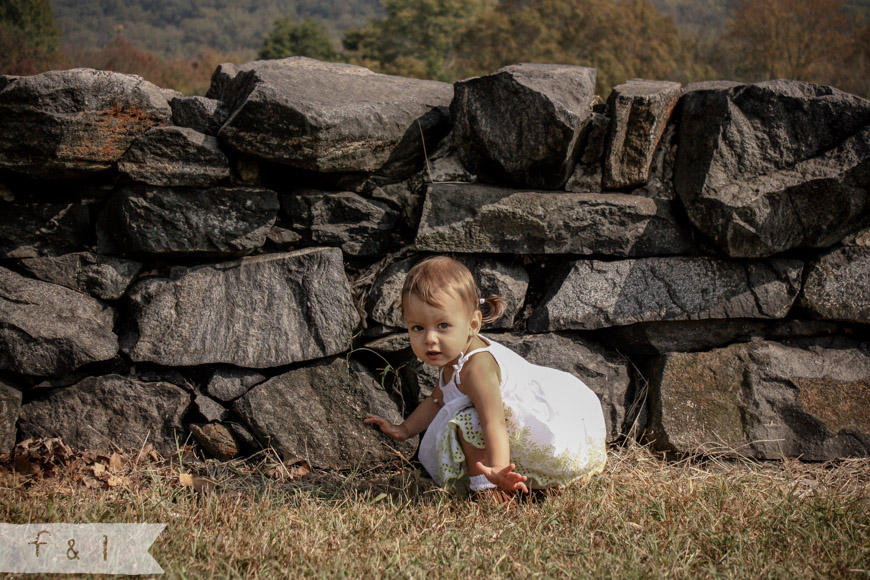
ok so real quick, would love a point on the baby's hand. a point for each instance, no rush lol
(506, 479)
(398, 432)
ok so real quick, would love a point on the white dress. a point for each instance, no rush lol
(554, 422)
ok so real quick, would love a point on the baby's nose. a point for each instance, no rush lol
(431, 337)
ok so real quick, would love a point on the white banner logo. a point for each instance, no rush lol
(79, 548)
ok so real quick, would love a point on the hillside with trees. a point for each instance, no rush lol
(184, 28)
(178, 43)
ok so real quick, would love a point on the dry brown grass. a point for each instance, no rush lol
(644, 517)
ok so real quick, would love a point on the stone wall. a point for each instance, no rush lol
(227, 266)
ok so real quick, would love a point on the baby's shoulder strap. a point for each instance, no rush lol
(463, 358)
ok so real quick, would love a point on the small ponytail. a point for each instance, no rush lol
(495, 308)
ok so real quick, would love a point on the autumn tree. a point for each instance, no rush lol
(189, 76)
(306, 38)
(621, 39)
(791, 39)
(854, 75)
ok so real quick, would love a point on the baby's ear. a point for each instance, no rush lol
(477, 321)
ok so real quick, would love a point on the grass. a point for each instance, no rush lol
(644, 517)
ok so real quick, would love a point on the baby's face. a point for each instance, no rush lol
(439, 334)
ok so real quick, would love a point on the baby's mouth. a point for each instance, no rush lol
(433, 353)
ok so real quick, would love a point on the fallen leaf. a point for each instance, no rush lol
(24, 466)
(146, 451)
(199, 484)
(90, 482)
(293, 472)
(115, 462)
(115, 481)
(299, 470)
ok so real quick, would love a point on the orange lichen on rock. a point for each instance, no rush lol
(106, 134)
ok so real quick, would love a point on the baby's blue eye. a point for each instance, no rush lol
(416, 328)
(443, 326)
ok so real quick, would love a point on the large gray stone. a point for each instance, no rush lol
(359, 226)
(228, 383)
(655, 338)
(175, 157)
(859, 239)
(74, 122)
(510, 281)
(588, 175)
(256, 312)
(100, 276)
(660, 182)
(639, 112)
(764, 399)
(331, 117)
(49, 330)
(603, 371)
(99, 413)
(209, 409)
(29, 230)
(10, 409)
(523, 122)
(591, 294)
(199, 113)
(408, 197)
(316, 413)
(486, 219)
(777, 165)
(146, 220)
(837, 285)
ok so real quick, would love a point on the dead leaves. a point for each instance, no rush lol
(60, 467)
(199, 484)
(38, 459)
(283, 472)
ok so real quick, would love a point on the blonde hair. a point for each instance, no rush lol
(433, 277)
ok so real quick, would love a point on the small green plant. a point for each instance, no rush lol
(387, 374)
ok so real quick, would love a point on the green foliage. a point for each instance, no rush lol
(29, 38)
(34, 19)
(416, 38)
(308, 38)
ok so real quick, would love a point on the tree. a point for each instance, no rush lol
(792, 39)
(29, 38)
(307, 38)
(35, 20)
(416, 37)
(621, 39)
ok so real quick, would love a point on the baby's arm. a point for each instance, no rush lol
(416, 422)
(480, 382)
